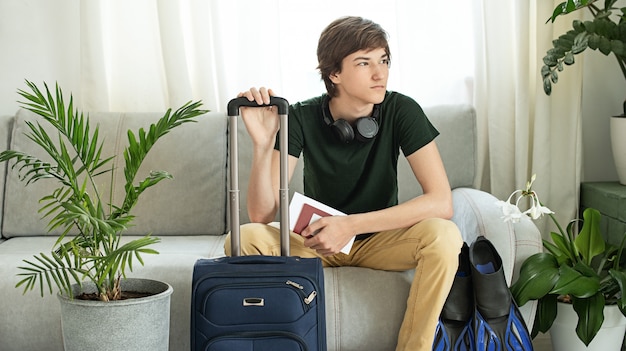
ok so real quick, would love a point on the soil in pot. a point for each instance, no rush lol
(125, 295)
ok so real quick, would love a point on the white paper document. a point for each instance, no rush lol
(304, 210)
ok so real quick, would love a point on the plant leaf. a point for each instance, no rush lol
(538, 275)
(546, 314)
(620, 278)
(590, 313)
(572, 282)
(590, 242)
(580, 44)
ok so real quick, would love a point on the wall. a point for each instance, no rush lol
(604, 91)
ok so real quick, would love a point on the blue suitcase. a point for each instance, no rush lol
(258, 303)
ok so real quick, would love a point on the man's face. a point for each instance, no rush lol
(363, 76)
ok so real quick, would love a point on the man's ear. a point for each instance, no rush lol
(334, 77)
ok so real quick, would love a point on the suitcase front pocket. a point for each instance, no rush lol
(257, 341)
(257, 303)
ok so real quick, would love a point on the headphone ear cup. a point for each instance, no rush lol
(343, 131)
(366, 129)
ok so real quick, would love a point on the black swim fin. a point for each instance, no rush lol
(455, 327)
(498, 324)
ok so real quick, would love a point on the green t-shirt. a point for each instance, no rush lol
(356, 177)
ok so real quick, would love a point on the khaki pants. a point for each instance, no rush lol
(431, 247)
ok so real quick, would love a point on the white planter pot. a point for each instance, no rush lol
(609, 338)
(618, 145)
(132, 324)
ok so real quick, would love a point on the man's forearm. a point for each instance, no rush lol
(261, 190)
(404, 215)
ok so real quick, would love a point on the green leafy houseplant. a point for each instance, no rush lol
(95, 253)
(606, 33)
(577, 267)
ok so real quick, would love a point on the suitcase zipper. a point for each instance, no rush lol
(289, 282)
(307, 299)
(298, 288)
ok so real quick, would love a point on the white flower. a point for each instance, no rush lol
(537, 211)
(511, 213)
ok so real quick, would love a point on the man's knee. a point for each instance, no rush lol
(444, 239)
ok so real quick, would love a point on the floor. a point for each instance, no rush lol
(542, 342)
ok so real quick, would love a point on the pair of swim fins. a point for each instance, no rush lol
(480, 313)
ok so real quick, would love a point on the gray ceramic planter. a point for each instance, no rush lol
(133, 324)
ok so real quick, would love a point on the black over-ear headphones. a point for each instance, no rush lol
(364, 130)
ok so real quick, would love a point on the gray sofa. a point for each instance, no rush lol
(189, 213)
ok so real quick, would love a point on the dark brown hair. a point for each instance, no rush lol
(343, 37)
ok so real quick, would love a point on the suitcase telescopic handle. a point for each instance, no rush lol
(235, 104)
(233, 113)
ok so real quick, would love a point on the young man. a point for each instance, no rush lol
(351, 165)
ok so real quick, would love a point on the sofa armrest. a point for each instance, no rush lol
(476, 213)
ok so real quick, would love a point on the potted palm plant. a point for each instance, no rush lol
(90, 258)
(579, 269)
(606, 33)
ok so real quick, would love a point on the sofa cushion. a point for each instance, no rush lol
(193, 203)
(353, 295)
(456, 144)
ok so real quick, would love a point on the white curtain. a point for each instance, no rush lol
(525, 132)
(148, 55)
(151, 54)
